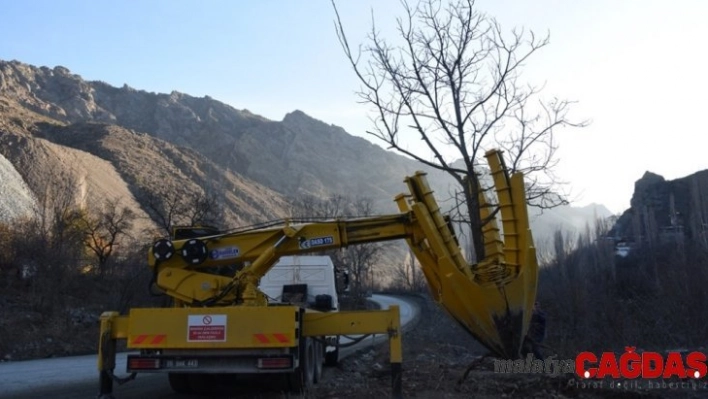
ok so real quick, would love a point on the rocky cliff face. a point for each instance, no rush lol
(665, 207)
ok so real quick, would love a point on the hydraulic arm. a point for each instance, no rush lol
(491, 299)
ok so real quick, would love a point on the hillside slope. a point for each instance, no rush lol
(18, 199)
(107, 162)
(45, 166)
(298, 155)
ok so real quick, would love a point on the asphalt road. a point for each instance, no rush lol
(76, 377)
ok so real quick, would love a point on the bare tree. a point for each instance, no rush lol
(310, 206)
(8, 269)
(171, 207)
(454, 83)
(56, 222)
(164, 206)
(358, 259)
(48, 246)
(57, 213)
(697, 224)
(408, 276)
(204, 207)
(104, 227)
(361, 259)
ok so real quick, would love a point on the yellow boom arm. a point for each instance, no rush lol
(491, 299)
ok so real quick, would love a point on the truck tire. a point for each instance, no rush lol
(303, 378)
(319, 359)
(332, 357)
(201, 384)
(179, 382)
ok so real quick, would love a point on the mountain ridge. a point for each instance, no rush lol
(299, 155)
(258, 148)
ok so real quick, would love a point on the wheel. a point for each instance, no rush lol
(202, 384)
(179, 382)
(303, 378)
(332, 357)
(319, 358)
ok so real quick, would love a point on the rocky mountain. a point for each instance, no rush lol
(150, 139)
(665, 209)
(298, 155)
(102, 162)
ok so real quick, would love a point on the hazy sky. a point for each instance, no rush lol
(636, 68)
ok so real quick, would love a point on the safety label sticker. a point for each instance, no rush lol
(316, 242)
(206, 328)
(225, 253)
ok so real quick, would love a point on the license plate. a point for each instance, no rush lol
(182, 363)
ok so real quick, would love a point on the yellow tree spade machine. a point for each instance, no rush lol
(221, 323)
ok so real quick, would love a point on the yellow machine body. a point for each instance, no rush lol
(491, 299)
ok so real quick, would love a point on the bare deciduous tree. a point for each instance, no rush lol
(47, 247)
(57, 214)
(453, 81)
(169, 207)
(357, 259)
(408, 275)
(103, 228)
(361, 259)
(310, 206)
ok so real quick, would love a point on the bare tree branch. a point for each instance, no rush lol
(103, 227)
(453, 81)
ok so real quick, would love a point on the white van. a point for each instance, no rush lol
(309, 281)
(302, 279)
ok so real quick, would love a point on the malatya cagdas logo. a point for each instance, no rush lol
(645, 365)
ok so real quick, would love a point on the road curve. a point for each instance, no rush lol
(76, 377)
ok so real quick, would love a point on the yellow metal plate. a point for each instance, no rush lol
(221, 327)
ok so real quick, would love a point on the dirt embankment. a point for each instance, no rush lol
(18, 200)
(436, 353)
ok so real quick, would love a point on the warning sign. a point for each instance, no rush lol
(206, 328)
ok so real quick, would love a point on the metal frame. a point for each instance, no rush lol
(314, 324)
(491, 299)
